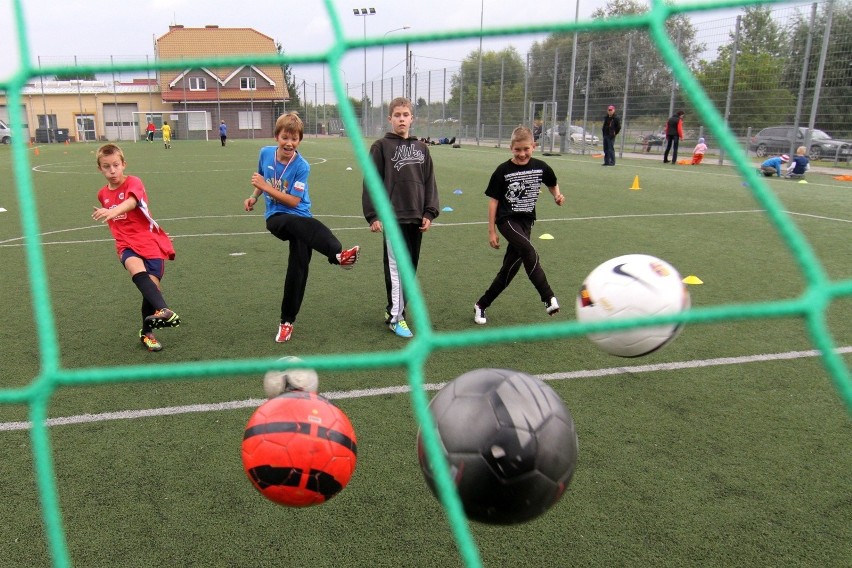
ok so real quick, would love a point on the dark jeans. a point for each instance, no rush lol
(609, 150)
(672, 141)
(520, 250)
(305, 235)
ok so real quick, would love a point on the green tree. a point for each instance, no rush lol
(75, 76)
(758, 99)
(463, 86)
(759, 33)
(836, 90)
(650, 79)
(292, 90)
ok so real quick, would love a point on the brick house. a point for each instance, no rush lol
(247, 97)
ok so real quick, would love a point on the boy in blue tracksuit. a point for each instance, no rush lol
(772, 166)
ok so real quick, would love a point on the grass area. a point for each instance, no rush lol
(735, 464)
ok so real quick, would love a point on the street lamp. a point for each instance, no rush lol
(364, 12)
(382, 84)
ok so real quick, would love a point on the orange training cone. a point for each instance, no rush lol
(36, 150)
(635, 183)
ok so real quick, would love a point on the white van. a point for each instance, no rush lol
(5, 133)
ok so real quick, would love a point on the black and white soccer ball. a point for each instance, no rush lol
(510, 443)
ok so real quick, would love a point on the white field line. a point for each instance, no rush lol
(18, 241)
(362, 393)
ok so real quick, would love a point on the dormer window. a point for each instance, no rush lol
(197, 84)
(248, 84)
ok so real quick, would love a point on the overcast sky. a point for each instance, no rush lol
(93, 30)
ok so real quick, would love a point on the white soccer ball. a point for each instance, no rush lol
(279, 382)
(632, 286)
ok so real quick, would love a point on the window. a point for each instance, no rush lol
(47, 121)
(248, 120)
(248, 84)
(197, 84)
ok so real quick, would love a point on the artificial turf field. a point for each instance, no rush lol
(733, 450)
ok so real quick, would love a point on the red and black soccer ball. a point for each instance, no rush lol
(299, 449)
(510, 443)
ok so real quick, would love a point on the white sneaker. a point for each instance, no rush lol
(479, 315)
(552, 307)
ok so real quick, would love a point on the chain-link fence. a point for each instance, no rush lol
(766, 67)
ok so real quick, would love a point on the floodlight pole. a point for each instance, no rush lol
(382, 83)
(364, 12)
(479, 75)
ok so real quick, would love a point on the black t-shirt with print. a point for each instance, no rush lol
(516, 188)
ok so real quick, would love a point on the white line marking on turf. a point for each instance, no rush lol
(362, 393)
(820, 217)
(18, 241)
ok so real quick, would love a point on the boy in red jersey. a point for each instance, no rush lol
(141, 244)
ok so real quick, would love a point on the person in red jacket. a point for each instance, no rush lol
(674, 132)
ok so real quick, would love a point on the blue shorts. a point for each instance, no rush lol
(156, 267)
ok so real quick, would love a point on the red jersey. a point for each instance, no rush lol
(136, 229)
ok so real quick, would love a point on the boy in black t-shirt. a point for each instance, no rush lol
(513, 191)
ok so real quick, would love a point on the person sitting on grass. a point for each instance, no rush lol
(698, 152)
(799, 165)
(772, 166)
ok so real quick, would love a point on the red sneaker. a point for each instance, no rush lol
(348, 257)
(285, 330)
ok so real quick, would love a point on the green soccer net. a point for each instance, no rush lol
(811, 306)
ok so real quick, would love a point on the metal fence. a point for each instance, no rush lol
(763, 67)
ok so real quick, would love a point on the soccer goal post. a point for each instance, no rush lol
(185, 124)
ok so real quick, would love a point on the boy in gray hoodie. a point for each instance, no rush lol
(405, 166)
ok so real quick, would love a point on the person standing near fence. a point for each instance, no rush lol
(610, 129)
(223, 132)
(150, 129)
(167, 136)
(674, 132)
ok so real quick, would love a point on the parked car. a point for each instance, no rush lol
(778, 139)
(448, 120)
(578, 136)
(5, 133)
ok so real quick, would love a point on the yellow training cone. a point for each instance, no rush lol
(802, 181)
(635, 183)
(692, 279)
(546, 237)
